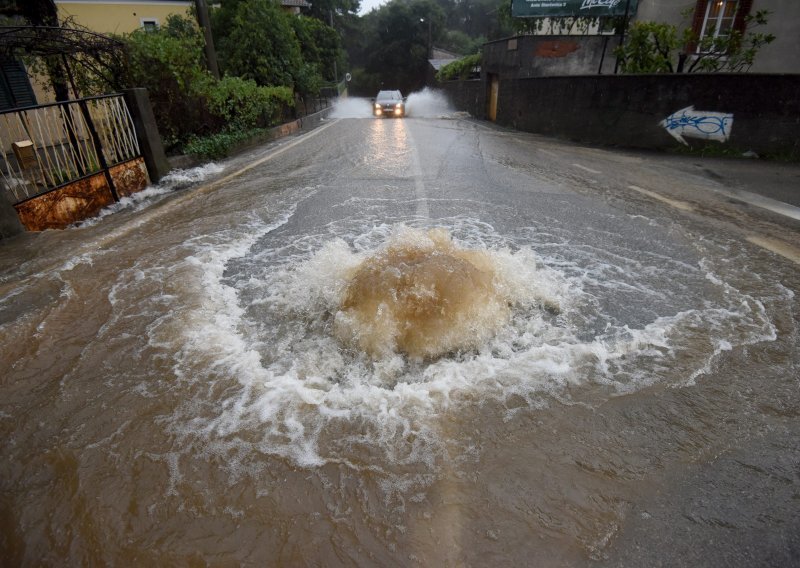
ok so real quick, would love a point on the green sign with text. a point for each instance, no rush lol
(574, 8)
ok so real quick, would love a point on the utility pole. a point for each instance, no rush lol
(205, 25)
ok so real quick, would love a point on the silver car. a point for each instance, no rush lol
(389, 103)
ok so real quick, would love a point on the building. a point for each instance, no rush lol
(559, 50)
(718, 17)
(121, 16)
(125, 16)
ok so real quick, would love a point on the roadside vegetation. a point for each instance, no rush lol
(460, 69)
(270, 60)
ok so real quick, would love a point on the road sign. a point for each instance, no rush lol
(573, 8)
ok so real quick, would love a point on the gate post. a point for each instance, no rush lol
(9, 220)
(147, 132)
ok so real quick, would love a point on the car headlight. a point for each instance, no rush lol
(377, 105)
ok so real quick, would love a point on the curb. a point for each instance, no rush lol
(308, 122)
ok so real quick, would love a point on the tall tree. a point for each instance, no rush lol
(405, 34)
(319, 45)
(258, 40)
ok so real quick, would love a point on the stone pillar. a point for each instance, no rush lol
(9, 221)
(146, 130)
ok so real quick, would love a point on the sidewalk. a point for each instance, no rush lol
(776, 180)
(770, 185)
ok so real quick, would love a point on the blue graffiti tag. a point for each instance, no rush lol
(698, 124)
(708, 125)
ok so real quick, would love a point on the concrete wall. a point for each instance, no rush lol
(540, 56)
(468, 96)
(666, 11)
(626, 110)
(782, 55)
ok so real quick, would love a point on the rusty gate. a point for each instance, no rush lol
(63, 162)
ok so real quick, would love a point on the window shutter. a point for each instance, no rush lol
(15, 86)
(742, 12)
(697, 23)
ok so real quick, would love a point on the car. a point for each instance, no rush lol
(389, 103)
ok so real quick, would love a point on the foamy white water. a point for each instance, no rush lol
(176, 179)
(428, 103)
(263, 333)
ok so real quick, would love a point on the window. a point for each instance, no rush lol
(149, 24)
(719, 18)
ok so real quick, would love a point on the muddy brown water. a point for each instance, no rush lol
(174, 392)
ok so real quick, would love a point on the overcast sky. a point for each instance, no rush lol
(368, 5)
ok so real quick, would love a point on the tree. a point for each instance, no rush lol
(405, 32)
(330, 10)
(188, 102)
(319, 45)
(258, 40)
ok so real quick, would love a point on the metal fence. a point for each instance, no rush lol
(47, 146)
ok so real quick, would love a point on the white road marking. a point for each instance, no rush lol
(778, 247)
(419, 184)
(590, 170)
(549, 153)
(682, 205)
(779, 207)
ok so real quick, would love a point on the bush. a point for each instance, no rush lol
(169, 63)
(188, 103)
(459, 69)
(217, 146)
(241, 104)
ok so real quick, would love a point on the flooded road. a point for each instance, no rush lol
(229, 370)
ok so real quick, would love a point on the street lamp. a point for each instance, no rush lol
(422, 20)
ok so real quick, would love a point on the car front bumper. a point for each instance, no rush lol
(388, 110)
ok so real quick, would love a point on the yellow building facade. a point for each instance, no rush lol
(111, 17)
(120, 16)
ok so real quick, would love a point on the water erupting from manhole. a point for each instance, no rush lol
(424, 296)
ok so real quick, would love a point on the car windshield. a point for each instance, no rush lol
(389, 96)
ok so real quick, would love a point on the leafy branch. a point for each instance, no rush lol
(653, 47)
(459, 69)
